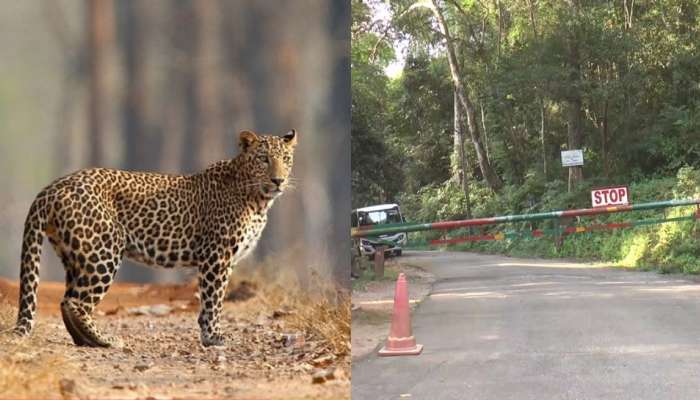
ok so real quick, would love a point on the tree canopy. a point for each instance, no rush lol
(618, 79)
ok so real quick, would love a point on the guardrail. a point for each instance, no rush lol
(375, 230)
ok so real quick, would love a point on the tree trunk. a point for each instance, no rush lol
(543, 129)
(629, 13)
(574, 139)
(134, 109)
(100, 32)
(604, 139)
(574, 128)
(486, 132)
(459, 158)
(489, 174)
(500, 28)
(540, 97)
(533, 22)
(65, 157)
(210, 143)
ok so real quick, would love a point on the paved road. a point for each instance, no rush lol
(504, 328)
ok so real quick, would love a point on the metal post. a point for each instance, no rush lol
(379, 262)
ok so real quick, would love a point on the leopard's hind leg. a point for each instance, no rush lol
(91, 260)
(65, 255)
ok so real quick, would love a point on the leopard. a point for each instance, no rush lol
(208, 221)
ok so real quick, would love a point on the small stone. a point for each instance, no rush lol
(323, 375)
(323, 361)
(262, 320)
(142, 367)
(294, 340)
(280, 313)
(318, 377)
(156, 309)
(22, 357)
(137, 386)
(67, 387)
(114, 311)
(330, 374)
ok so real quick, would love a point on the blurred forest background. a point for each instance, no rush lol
(461, 108)
(166, 86)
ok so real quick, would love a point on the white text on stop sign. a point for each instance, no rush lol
(612, 196)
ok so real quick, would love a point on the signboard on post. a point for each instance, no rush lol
(572, 158)
(610, 196)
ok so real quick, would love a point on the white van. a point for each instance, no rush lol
(380, 215)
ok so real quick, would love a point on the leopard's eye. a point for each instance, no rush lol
(264, 159)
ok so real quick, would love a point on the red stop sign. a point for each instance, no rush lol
(610, 196)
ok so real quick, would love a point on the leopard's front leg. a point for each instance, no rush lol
(213, 281)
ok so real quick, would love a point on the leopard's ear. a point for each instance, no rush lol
(247, 140)
(290, 137)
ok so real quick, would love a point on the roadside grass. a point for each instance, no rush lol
(418, 246)
(670, 248)
(26, 371)
(371, 316)
(391, 273)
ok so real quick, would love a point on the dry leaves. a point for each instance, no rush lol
(280, 338)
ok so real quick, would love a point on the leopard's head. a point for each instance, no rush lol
(269, 160)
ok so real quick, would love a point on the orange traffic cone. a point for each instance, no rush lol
(401, 341)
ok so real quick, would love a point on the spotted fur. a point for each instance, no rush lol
(209, 221)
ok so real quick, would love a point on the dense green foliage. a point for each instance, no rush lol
(672, 247)
(630, 71)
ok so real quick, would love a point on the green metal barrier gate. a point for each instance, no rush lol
(376, 230)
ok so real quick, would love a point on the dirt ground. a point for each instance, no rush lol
(265, 357)
(373, 305)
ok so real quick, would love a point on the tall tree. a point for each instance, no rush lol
(135, 104)
(460, 164)
(210, 143)
(574, 126)
(493, 180)
(72, 84)
(100, 32)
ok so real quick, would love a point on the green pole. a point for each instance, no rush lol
(375, 230)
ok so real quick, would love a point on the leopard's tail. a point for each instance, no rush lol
(34, 233)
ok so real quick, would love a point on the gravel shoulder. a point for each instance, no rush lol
(264, 357)
(373, 304)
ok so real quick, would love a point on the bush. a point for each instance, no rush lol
(669, 247)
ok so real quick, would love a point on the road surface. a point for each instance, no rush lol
(503, 328)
